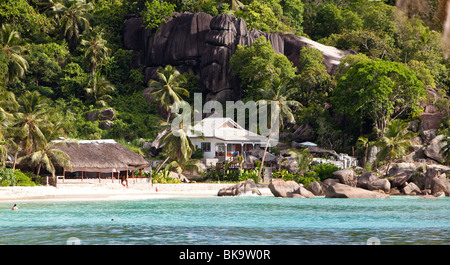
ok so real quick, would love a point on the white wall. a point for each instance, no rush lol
(213, 142)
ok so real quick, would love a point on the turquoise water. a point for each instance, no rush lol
(229, 220)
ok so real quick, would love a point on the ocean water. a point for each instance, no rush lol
(228, 220)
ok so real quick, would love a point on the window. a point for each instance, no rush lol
(206, 147)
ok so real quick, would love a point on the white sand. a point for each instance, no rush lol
(78, 192)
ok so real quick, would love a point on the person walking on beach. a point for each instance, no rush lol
(15, 208)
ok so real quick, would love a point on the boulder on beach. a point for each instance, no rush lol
(411, 189)
(346, 176)
(289, 189)
(248, 187)
(339, 190)
(315, 188)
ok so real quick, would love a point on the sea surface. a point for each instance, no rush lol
(228, 220)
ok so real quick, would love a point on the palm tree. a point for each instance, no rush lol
(177, 145)
(95, 55)
(10, 42)
(184, 165)
(365, 143)
(279, 93)
(48, 157)
(73, 19)
(31, 118)
(394, 143)
(101, 86)
(167, 90)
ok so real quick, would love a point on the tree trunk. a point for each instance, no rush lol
(159, 167)
(15, 159)
(387, 169)
(264, 155)
(365, 156)
(38, 170)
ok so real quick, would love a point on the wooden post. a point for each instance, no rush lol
(112, 177)
(64, 175)
(98, 174)
(81, 175)
(127, 178)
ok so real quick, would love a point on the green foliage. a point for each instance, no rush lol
(164, 176)
(309, 178)
(7, 177)
(260, 15)
(325, 170)
(394, 142)
(23, 179)
(258, 66)
(246, 174)
(313, 81)
(156, 13)
(378, 90)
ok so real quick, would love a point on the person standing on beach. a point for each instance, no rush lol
(15, 208)
(124, 183)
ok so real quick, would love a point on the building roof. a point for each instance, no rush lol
(101, 156)
(226, 129)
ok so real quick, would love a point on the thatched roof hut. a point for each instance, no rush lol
(101, 156)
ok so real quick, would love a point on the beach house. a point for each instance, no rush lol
(99, 160)
(224, 139)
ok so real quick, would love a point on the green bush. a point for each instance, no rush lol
(7, 177)
(325, 170)
(309, 178)
(163, 176)
(22, 179)
(245, 174)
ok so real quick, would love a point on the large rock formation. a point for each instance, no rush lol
(203, 45)
(289, 189)
(248, 187)
(339, 190)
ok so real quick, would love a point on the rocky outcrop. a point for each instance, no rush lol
(202, 45)
(370, 181)
(316, 188)
(248, 187)
(411, 189)
(339, 190)
(346, 176)
(289, 189)
(433, 150)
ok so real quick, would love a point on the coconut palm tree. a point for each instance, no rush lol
(100, 87)
(8, 104)
(48, 157)
(394, 143)
(73, 19)
(31, 118)
(168, 89)
(95, 55)
(10, 42)
(177, 145)
(279, 93)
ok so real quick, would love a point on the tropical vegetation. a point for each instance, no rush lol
(60, 59)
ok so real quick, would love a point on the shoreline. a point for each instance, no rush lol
(83, 193)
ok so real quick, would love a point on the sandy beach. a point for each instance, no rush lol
(79, 192)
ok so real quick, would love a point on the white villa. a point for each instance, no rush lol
(223, 139)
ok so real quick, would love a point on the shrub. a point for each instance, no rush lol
(245, 174)
(325, 170)
(7, 177)
(22, 179)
